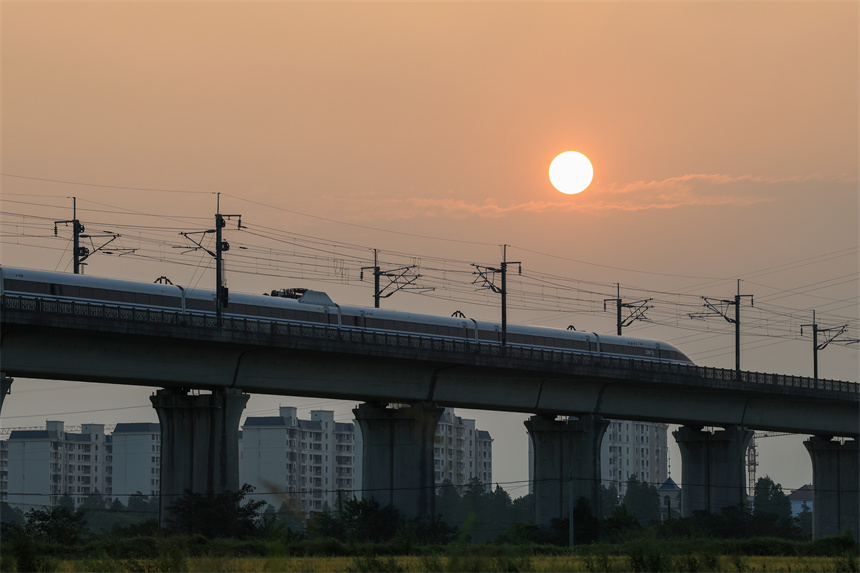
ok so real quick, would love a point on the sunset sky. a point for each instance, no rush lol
(724, 139)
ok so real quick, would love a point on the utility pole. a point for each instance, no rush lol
(637, 313)
(487, 281)
(570, 508)
(221, 246)
(77, 229)
(79, 253)
(397, 278)
(827, 340)
(722, 310)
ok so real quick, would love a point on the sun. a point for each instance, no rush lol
(571, 172)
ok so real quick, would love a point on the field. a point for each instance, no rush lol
(569, 562)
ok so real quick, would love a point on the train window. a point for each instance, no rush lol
(27, 286)
(196, 304)
(141, 298)
(113, 295)
(85, 292)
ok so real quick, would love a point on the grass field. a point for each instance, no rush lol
(572, 562)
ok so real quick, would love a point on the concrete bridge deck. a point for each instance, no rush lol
(43, 338)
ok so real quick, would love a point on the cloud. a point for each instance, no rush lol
(694, 190)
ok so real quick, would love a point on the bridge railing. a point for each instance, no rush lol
(720, 377)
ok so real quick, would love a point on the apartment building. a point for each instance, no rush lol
(305, 463)
(637, 449)
(461, 451)
(134, 460)
(45, 464)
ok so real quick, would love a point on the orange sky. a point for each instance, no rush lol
(724, 138)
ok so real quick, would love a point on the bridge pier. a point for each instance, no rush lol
(712, 468)
(835, 496)
(5, 388)
(397, 455)
(199, 443)
(565, 451)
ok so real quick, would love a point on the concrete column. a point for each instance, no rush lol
(199, 442)
(397, 456)
(5, 388)
(712, 468)
(835, 484)
(565, 451)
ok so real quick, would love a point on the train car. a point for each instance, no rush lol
(309, 306)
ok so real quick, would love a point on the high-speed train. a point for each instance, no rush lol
(308, 306)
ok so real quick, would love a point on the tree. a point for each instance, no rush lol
(618, 525)
(804, 518)
(56, 525)
(66, 501)
(215, 515)
(142, 504)
(608, 499)
(449, 504)
(642, 500)
(9, 514)
(770, 499)
(94, 501)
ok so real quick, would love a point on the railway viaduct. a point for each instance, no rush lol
(204, 371)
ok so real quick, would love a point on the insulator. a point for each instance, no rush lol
(225, 246)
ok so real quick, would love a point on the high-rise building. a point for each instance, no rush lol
(461, 451)
(306, 463)
(134, 458)
(634, 449)
(45, 464)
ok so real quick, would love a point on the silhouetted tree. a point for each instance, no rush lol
(66, 501)
(449, 505)
(143, 504)
(94, 501)
(619, 524)
(608, 499)
(56, 525)
(9, 514)
(642, 500)
(769, 498)
(215, 515)
(804, 518)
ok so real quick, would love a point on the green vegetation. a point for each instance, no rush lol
(476, 530)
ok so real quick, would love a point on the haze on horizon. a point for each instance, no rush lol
(724, 139)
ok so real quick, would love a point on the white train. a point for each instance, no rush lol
(307, 306)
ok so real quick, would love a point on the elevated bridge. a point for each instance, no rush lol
(180, 351)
